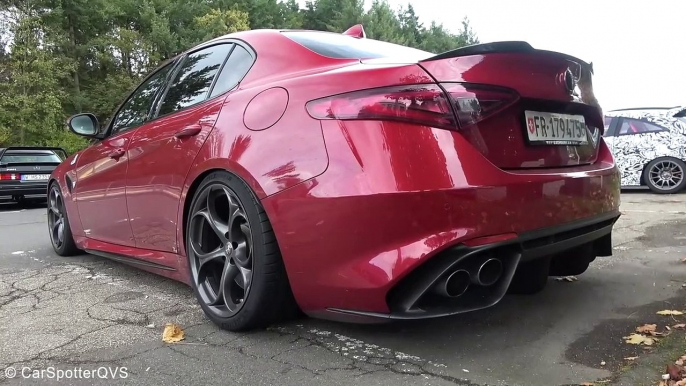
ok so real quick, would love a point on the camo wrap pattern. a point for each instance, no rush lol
(634, 151)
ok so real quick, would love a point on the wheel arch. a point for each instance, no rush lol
(193, 182)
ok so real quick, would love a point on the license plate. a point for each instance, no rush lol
(35, 177)
(555, 129)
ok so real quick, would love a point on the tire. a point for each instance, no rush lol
(530, 277)
(239, 277)
(61, 239)
(665, 175)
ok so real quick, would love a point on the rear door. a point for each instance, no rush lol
(101, 169)
(634, 146)
(162, 152)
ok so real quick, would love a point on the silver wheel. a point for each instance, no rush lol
(666, 175)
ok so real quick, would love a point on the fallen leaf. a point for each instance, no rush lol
(630, 358)
(681, 383)
(646, 328)
(670, 312)
(684, 260)
(587, 384)
(679, 362)
(663, 383)
(567, 278)
(674, 372)
(639, 339)
(172, 333)
(679, 326)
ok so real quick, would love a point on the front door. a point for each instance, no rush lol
(100, 188)
(163, 151)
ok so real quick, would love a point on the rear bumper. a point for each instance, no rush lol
(392, 202)
(24, 189)
(405, 299)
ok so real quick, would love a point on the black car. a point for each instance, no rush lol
(24, 171)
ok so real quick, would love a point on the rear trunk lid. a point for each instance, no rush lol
(522, 107)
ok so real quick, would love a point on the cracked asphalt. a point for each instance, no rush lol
(91, 314)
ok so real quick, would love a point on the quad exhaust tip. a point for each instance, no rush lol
(489, 272)
(454, 285)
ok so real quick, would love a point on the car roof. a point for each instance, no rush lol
(649, 111)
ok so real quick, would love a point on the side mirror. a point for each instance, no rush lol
(84, 124)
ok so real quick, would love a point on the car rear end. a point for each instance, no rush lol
(25, 171)
(462, 165)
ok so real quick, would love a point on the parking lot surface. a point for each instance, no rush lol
(89, 313)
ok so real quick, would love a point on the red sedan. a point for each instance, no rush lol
(346, 177)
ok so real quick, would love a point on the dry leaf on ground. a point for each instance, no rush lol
(674, 372)
(567, 278)
(670, 312)
(630, 358)
(679, 326)
(172, 333)
(587, 384)
(639, 339)
(646, 328)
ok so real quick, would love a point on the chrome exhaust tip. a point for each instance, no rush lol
(489, 272)
(453, 285)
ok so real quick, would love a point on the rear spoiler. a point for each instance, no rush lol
(55, 149)
(501, 48)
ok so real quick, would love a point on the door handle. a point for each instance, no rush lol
(188, 131)
(116, 154)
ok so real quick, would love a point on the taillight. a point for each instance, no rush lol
(424, 104)
(10, 176)
(474, 103)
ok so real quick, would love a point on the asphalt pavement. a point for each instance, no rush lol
(95, 321)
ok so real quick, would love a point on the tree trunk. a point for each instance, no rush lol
(77, 85)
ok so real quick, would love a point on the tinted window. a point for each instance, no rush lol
(194, 79)
(347, 47)
(30, 158)
(234, 70)
(135, 110)
(634, 126)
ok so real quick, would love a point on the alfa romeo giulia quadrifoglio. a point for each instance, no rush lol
(348, 178)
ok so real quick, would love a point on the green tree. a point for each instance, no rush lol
(381, 23)
(31, 110)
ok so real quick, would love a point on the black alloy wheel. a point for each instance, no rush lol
(235, 264)
(58, 223)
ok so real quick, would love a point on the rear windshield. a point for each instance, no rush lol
(340, 46)
(29, 158)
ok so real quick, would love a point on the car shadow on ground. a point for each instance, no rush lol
(7, 205)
